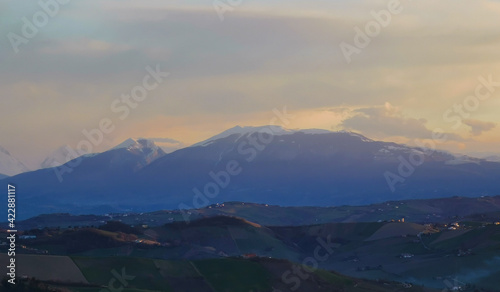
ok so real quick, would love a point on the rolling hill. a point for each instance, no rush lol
(383, 252)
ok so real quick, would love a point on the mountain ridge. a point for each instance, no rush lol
(303, 168)
(10, 165)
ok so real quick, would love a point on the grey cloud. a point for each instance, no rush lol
(478, 127)
(165, 140)
(388, 121)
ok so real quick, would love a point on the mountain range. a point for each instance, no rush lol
(10, 165)
(268, 165)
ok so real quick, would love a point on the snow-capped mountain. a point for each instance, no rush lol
(57, 158)
(492, 158)
(239, 132)
(129, 143)
(295, 168)
(146, 148)
(9, 165)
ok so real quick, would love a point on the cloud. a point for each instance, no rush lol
(478, 127)
(265, 55)
(84, 47)
(389, 121)
(339, 110)
(165, 140)
(168, 144)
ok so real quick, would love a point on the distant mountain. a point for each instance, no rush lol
(145, 148)
(494, 158)
(488, 156)
(64, 153)
(311, 168)
(52, 189)
(267, 165)
(57, 158)
(10, 165)
(242, 131)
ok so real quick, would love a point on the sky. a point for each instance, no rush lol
(390, 70)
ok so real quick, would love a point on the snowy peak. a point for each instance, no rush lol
(270, 129)
(143, 147)
(9, 165)
(361, 137)
(275, 130)
(242, 131)
(57, 158)
(492, 158)
(126, 144)
(134, 144)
